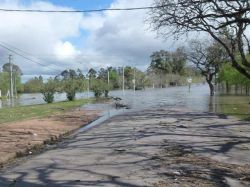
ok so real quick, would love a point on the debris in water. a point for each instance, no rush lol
(181, 126)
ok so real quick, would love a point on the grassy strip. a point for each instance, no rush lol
(37, 111)
(238, 106)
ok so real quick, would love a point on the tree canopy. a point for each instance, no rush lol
(214, 17)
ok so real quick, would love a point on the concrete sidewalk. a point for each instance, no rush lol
(161, 147)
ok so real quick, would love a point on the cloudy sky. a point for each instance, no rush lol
(58, 41)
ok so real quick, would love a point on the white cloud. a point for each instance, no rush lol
(65, 50)
(114, 37)
(38, 34)
(123, 37)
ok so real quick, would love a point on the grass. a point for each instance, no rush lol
(38, 111)
(238, 106)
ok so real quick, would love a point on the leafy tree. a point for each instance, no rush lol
(80, 74)
(67, 74)
(92, 76)
(103, 74)
(16, 74)
(33, 85)
(71, 82)
(179, 59)
(15, 69)
(232, 77)
(92, 73)
(4, 82)
(160, 62)
(142, 80)
(129, 76)
(165, 62)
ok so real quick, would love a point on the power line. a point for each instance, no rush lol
(81, 11)
(24, 52)
(27, 58)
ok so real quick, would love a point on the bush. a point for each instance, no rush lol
(100, 87)
(70, 87)
(48, 97)
(97, 88)
(48, 91)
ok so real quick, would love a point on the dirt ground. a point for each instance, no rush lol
(26, 137)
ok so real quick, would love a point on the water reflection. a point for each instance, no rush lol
(197, 98)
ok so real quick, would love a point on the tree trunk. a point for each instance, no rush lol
(227, 88)
(211, 86)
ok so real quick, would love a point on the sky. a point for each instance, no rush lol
(58, 41)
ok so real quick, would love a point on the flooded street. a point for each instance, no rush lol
(197, 99)
(163, 143)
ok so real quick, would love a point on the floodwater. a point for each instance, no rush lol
(197, 99)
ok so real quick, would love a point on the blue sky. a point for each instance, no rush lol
(78, 4)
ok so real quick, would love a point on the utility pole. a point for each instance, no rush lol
(134, 80)
(88, 83)
(123, 80)
(15, 88)
(108, 76)
(11, 76)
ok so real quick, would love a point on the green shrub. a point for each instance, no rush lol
(48, 97)
(48, 90)
(70, 87)
(100, 87)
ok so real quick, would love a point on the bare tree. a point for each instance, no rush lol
(215, 17)
(207, 58)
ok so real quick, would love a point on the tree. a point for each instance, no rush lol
(4, 82)
(33, 85)
(231, 77)
(128, 76)
(72, 83)
(80, 74)
(113, 78)
(214, 17)
(165, 62)
(92, 76)
(141, 80)
(66, 74)
(208, 59)
(179, 59)
(160, 62)
(92, 73)
(103, 74)
(16, 76)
